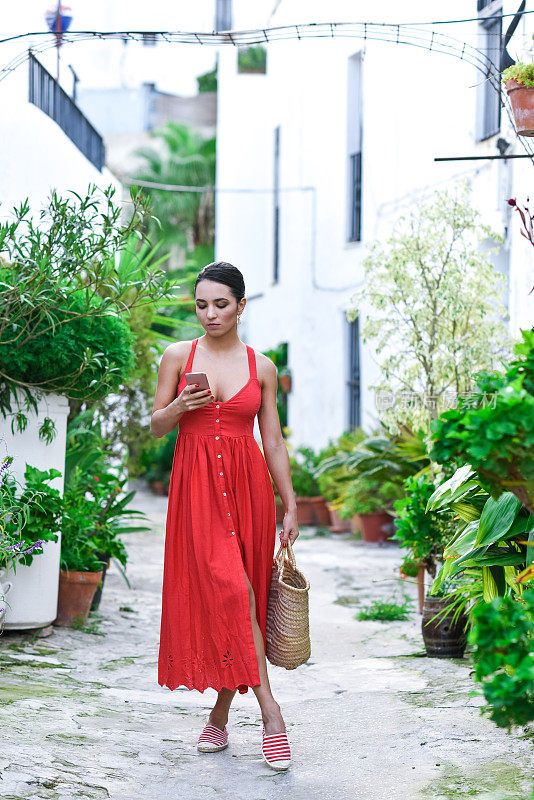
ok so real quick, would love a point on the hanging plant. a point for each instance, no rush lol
(519, 84)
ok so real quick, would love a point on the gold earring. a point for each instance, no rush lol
(238, 319)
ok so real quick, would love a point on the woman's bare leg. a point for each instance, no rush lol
(270, 710)
(219, 713)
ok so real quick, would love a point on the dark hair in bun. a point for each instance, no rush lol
(223, 272)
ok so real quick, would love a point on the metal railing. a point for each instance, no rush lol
(46, 93)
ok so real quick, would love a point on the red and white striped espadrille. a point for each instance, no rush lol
(275, 750)
(212, 739)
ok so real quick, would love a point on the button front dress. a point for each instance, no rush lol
(220, 526)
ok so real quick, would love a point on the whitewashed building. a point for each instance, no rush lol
(319, 156)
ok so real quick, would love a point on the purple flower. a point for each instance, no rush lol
(5, 463)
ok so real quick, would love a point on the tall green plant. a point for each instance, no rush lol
(183, 158)
(434, 301)
(63, 300)
(493, 431)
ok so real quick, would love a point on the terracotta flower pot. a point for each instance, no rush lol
(159, 487)
(442, 637)
(376, 527)
(337, 524)
(522, 102)
(305, 512)
(76, 592)
(322, 515)
(285, 383)
(279, 508)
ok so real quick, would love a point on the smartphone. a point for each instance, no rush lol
(197, 377)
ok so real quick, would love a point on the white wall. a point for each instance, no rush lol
(416, 106)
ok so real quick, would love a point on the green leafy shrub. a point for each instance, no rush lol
(302, 466)
(520, 72)
(503, 654)
(423, 533)
(384, 611)
(67, 297)
(252, 59)
(365, 495)
(495, 437)
(331, 482)
(207, 82)
(87, 356)
(29, 515)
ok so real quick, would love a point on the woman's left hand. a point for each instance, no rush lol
(290, 528)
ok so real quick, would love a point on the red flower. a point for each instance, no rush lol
(96, 477)
(511, 202)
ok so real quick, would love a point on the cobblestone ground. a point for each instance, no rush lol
(369, 716)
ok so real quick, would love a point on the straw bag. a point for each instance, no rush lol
(288, 627)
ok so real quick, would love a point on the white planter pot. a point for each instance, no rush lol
(34, 591)
(5, 587)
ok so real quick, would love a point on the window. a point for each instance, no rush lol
(276, 196)
(354, 149)
(223, 15)
(353, 381)
(489, 92)
(482, 4)
(355, 196)
(149, 39)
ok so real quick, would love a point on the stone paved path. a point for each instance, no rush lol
(82, 714)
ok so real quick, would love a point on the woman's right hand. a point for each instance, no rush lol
(191, 398)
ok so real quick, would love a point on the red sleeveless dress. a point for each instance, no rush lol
(220, 525)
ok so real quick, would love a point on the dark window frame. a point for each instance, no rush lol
(355, 219)
(354, 379)
(223, 15)
(489, 123)
(276, 206)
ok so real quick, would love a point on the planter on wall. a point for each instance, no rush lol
(376, 527)
(522, 102)
(34, 592)
(76, 592)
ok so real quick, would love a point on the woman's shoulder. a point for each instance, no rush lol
(264, 365)
(178, 352)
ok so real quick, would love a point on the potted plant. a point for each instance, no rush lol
(29, 518)
(518, 81)
(444, 627)
(422, 533)
(332, 479)
(16, 543)
(64, 337)
(305, 486)
(79, 575)
(372, 500)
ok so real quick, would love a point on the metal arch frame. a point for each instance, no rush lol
(393, 33)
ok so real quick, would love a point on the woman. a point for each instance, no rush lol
(221, 526)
